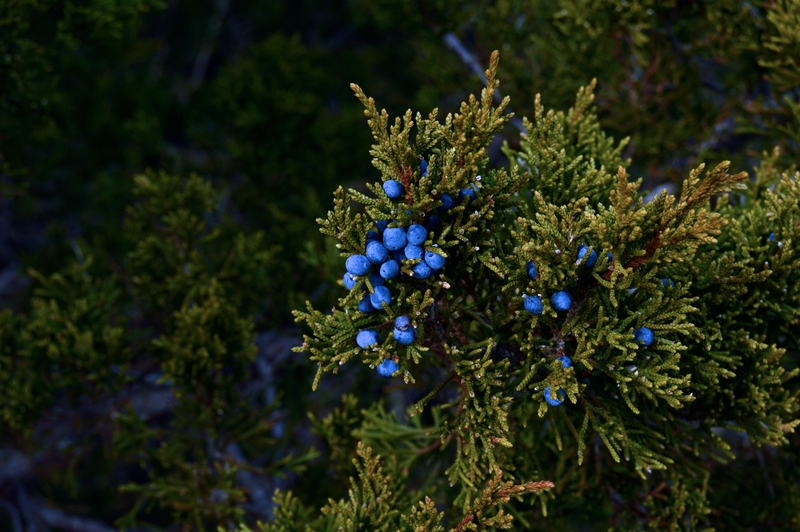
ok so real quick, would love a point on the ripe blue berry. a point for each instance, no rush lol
(665, 282)
(357, 264)
(421, 270)
(532, 273)
(379, 296)
(404, 337)
(423, 166)
(561, 301)
(416, 234)
(433, 223)
(390, 269)
(377, 252)
(566, 362)
(470, 192)
(366, 338)
(372, 235)
(434, 260)
(413, 252)
(365, 305)
(771, 237)
(395, 238)
(387, 367)
(550, 400)
(533, 305)
(644, 335)
(610, 257)
(447, 202)
(349, 280)
(393, 188)
(382, 225)
(590, 260)
(402, 323)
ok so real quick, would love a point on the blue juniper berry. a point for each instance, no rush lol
(434, 260)
(561, 300)
(644, 335)
(366, 338)
(554, 401)
(357, 264)
(387, 367)
(393, 188)
(533, 304)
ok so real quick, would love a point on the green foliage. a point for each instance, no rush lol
(484, 361)
(70, 343)
(189, 339)
(374, 497)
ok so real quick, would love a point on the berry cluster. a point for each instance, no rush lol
(387, 251)
(560, 299)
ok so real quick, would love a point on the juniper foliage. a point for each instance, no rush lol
(697, 269)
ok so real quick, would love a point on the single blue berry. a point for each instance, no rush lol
(532, 273)
(390, 269)
(771, 237)
(395, 238)
(610, 257)
(375, 278)
(421, 270)
(413, 252)
(561, 301)
(533, 305)
(665, 282)
(372, 236)
(423, 166)
(434, 260)
(566, 362)
(404, 337)
(366, 338)
(387, 367)
(379, 296)
(377, 252)
(365, 305)
(357, 264)
(470, 192)
(402, 323)
(433, 223)
(416, 234)
(382, 225)
(447, 202)
(590, 260)
(554, 401)
(393, 188)
(644, 335)
(349, 280)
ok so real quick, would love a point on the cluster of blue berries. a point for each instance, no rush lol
(384, 253)
(382, 258)
(404, 334)
(560, 299)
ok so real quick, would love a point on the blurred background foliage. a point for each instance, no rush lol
(254, 96)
